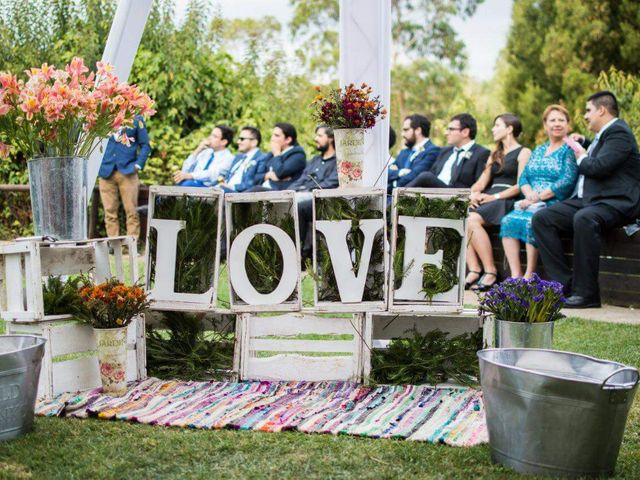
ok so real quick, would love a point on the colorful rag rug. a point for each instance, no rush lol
(453, 416)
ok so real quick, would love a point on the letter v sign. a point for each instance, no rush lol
(350, 285)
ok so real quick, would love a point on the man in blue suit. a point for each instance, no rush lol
(119, 177)
(419, 155)
(241, 175)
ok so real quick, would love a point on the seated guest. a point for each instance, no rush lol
(321, 172)
(606, 196)
(461, 163)
(492, 197)
(209, 161)
(285, 163)
(419, 155)
(241, 174)
(549, 177)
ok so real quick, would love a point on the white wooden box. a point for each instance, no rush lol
(381, 328)
(280, 347)
(377, 202)
(27, 262)
(451, 301)
(280, 203)
(70, 360)
(162, 293)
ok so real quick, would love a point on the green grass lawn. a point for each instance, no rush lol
(60, 448)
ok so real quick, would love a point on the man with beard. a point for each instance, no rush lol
(321, 172)
(417, 157)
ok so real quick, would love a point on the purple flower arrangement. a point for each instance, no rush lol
(520, 300)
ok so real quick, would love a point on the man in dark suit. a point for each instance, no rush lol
(419, 155)
(607, 195)
(241, 175)
(461, 163)
(119, 177)
(286, 162)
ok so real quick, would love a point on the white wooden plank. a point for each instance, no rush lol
(103, 265)
(338, 307)
(174, 191)
(77, 374)
(7, 248)
(117, 256)
(14, 282)
(348, 192)
(66, 260)
(282, 345)
(293, 324)
(71, 338)
(388, 328)
(297, 367)
(275, 196)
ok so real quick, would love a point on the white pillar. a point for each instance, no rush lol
(365, 56)
(120, 51)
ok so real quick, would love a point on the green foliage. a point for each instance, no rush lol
(557, 49)
(434, 280)
(196, 250)
(183, 350)
(431, 358)
(626, 88)
(61, 297)
(354, 209)
(263, 262)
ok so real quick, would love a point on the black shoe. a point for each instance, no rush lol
(482, 285)
(576, 301)
(468, 285)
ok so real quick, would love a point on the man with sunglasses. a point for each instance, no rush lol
(241, 176)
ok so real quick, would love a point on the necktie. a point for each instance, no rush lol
(578, 192)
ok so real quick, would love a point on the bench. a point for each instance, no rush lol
(619, 265)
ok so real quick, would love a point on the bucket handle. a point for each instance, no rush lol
(604, 385)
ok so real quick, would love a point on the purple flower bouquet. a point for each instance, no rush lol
(520, 300)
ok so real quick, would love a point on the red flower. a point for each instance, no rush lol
(356, 173)
(105, 369)
(345, 167)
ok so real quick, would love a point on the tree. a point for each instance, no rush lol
(557, 49)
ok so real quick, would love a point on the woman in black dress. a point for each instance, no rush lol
(492, 197)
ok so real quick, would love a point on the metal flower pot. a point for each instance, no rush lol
(20, 361)
(523, 334)
(349, 156)
(112, 359)
(555, 413)
(58, 187)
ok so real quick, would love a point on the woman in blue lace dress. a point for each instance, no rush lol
(549, 176)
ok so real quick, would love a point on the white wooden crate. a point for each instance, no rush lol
(291, 355)
(284, 203)
(182, 301)
(27, 262)
(70, 360)
(377, 202)
(381, 328)
(446, 302)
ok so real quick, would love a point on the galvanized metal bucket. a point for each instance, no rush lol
(555, 413)
(58, 187)
(20, 360)
(523, 334)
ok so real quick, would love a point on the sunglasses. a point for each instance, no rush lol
(241, 139)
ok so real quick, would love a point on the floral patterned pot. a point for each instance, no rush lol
(350, 156)
(112, 358)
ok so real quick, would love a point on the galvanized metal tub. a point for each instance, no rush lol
(523, 334)
(555, 413)
(58, 187)
(20, 360)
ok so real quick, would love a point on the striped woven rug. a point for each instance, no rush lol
(452, 416)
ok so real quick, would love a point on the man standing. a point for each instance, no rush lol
(607, 195)
(461, 163)
(241, 176)
(321, 172)
(419, 155)
(119, 177)
(209, 161)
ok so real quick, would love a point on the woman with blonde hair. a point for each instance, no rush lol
(492, 197)
(549, 177)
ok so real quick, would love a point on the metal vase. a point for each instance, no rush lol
(349, 156)
(523, 334)
(58, 188)
(20, 362)
(112, 359)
